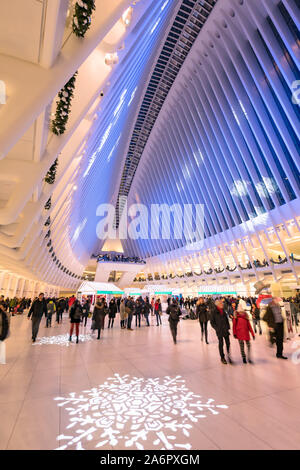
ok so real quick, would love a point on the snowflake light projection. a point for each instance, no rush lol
(128, 411)
(61, 340)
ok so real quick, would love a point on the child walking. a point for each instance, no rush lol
(242, 329)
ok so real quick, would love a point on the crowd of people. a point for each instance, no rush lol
(237, 315)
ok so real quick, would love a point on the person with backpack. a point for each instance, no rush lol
(75, 317)
(256, 318)
(36, 312)
(61, 305)
(174, 313)
(242, 329)
(51, 309)
(4, 329)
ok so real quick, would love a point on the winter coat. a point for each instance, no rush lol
(61, 305)
(174, 313)
(38, 309)
(4, 324)
(51, 308)
(112, 310)
(86, 309)
(146, 309)
(157, 307)
(202, 312)
(138, 308)
(219, 322)
(76, 313)
(123, 314)
(242, 327)
(100, 311)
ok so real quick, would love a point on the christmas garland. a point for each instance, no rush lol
(63, 107)
(51, 174)
(48, 222)
(82, 17)
(48, 204)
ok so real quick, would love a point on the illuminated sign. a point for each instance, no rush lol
(163, 293)
(106, 292)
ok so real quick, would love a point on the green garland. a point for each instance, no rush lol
(48, 204)
(82, 17)
(63, 107)
(51, 174)
(48, 222)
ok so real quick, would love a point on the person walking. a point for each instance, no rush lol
(51, 309)
(112, 313)
(174, 313)
(123, 314)
(203, 316)
(242, 329)
(36, 311)
(220, 323)
(85, 312)
(75, 318)
(158, 312)
(99, 314)
(61, 306)
(274, 319)
(255, 312)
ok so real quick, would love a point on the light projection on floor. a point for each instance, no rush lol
(132, 412)
(62, 340)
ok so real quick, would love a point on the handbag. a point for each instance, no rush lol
(128, 310)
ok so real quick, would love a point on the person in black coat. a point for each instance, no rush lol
(61, 306)
(174, 313)
(86, 311)
(112, 313)
(37, 310)
(219, 321)
(129, 308)
(203, 316)
(138, 312)
(146, 311)
(75, 318)
(100, 311)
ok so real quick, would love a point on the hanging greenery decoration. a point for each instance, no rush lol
(48, 221)
(48, 204)
(63, 106)
(51, 174)
(82, 17)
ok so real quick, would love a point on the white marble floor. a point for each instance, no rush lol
(136, 389)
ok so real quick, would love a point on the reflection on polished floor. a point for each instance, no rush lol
(137, 390)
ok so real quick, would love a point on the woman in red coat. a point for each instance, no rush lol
(242, 329)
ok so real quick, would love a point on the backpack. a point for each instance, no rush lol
(4, 326)
(174, 313)
(77, 314)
